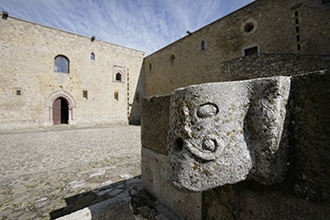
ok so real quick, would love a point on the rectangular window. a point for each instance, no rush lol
(85, 94)
(18, 92)
(116, 96)
(250, 51)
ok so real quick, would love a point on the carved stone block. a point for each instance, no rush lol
(223, 133)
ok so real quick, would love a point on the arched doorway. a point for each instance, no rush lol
(60, 111)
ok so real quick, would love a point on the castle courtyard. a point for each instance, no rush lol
(45, 173)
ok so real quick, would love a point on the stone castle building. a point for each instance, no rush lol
(49, 76)
(263, 38)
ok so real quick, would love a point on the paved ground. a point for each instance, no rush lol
(41, 172)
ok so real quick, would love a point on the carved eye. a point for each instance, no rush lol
(207, 110)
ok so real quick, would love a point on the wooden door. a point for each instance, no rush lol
(57, 111)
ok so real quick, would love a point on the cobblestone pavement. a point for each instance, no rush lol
(42, 170)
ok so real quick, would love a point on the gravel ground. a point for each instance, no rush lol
(42, 170)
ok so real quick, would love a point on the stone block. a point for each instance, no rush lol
(224, 133)
(309, 136)
(276, 205)
(154, 180)
(155, 123)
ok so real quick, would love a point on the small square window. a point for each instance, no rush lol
(85, 94)
(18, 92)
(250, 51)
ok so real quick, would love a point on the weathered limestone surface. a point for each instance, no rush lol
(304, 192)
(154, 180)
(155, 123)
(223, 133)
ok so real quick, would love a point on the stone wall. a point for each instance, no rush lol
(280, 27)
(27, 65)
(265, 65)
(303, 194)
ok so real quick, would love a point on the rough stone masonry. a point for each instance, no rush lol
(223, 133)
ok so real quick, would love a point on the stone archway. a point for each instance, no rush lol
(68, 106)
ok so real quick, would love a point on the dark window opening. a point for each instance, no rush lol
(297, 29)
(137, 97)
(61, 64)
(298, 38)
(296, 13)
(18, 92)
(250, 51)
(248, 27)
(172, 58)
(92, 56)
(203, 45)
(298, 46)
(118, 76)
(85, 94)
(116, 96)
(150, 66)
(297, 21)
(325, 1)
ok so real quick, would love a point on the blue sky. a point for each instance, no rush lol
(146, 25)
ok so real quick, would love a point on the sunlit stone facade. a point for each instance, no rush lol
(96, 82)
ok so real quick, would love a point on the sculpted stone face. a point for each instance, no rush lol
(223, 133)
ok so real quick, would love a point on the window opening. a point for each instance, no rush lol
(116, 96)
(85, 94)
(172, 57)
(61, 64)
(150, 66)
(137, 97)
(298, 46)
(297, 30)
(118, 76)
(250, 51)
(248, 27)
(92, 56)
(18, 92)
(203, 45)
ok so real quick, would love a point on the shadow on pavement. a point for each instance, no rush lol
(83, 200)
